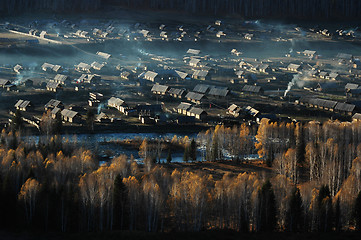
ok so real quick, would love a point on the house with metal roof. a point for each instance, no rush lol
(4, 82)
(159, 89)
(97, 66)
(219, 92)
(23, 105)
(83, 67)
(18, 68)
(70, 116)
(177, 92)
(104, 55)
(53, 103)
(294, 67)
(345, 108)
(198, 113)
(151, 76)
(201, 75)
(194, 62)
(193, 51)
(62, 79)
(53, 86)
(234, 110)
(118, 104)
(253, 89)
(195, 97)
(183, 108)
(202, 88)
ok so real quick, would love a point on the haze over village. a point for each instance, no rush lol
(126, 118)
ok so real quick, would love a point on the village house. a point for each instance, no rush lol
(345, 58)
(193, 51)
(176, 92)
(181, 75)
(53, 103)
(183, 108)
(125, 75)
(333, 76)
(83, 67)
(309, 53)
(70, 116)
(220, 34)
(53, 86)
(198, 113)
(102, 118)
(97, 66)
(248, 36)
(17, 68)
(104, 55)
(356, 117)
(118, 104)
(218, 22)
(195, 97)
(23, 105)
(201, 75)
(195, 62)
(159, 89)
(62, 79)
(253, 89)
(51, 67)
(163, 35)
(219, 92)
(234, 110)
(264, 68)
(202, 88)
(345, 108)
(323, 75)
(294, 67)
(55, 111)
(151, 76)
(240, 74)
(89, 78)
(4, 82)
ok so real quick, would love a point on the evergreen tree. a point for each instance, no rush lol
(267, 208)
(90, 117)
(186, 154)
(17, 122)
(295, 214)
(193, 150)
(357, 212)
(119, 202)
(325, 212)
(169, 157)
(58, 124)
(337, 220)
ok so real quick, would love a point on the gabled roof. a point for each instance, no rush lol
(22, 104)
(150, 75)
(195, 96)
(345, 107)
(115, 101)
(294, 66)
(200, 73)
(180, 74)
(4, 82)
(193, 51)
(55, 110)
(194, 61)
(184, 106)
(97, 65)
(222, 92)
(344, 56)
(351, 86)
(176, 91)
(201, 88)
(53, 103)
(84, 66)
(239, 73)
(309, 52)
(68, 113)
(159, 88)
(357, 116)
(197, 111)
(233, 107)
(53, 85)
(251, 88)
(60, 78)
(104, 55)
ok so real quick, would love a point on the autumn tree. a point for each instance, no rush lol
(29, 195)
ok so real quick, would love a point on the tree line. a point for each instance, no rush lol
(53, 185)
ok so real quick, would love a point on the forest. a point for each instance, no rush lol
(277, 9)
(55, 185)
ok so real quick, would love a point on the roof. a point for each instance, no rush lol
(201, 88)
(53, 103)
(252, 111)
(322, 102)
(239, 73)
(68, 113)
(22, 104)
(345, 107)
(176, 91)
(150, 75)
(351, 86)
(193, 51)
(47, 65)
(333, 75)
(232, 107)
(53, 85)
(180, 74)
(97, 65)
(17, 67)
(197, 111)
(194, 96)
(219, 92)
(125, 74)
(323, 74)
(357, 116)
(104, 55)
(251, 88)
(309, 52)
(101, 116)
(184, 106)
(84, 66)
(344, 56)
(4, 82)
(293, 66)
(194, 61)
(263, 66)
(60, 78)
(115, 101)
(55, 110)
(159, 88)
(200, 73)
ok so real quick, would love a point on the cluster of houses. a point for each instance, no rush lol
(328, 105)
